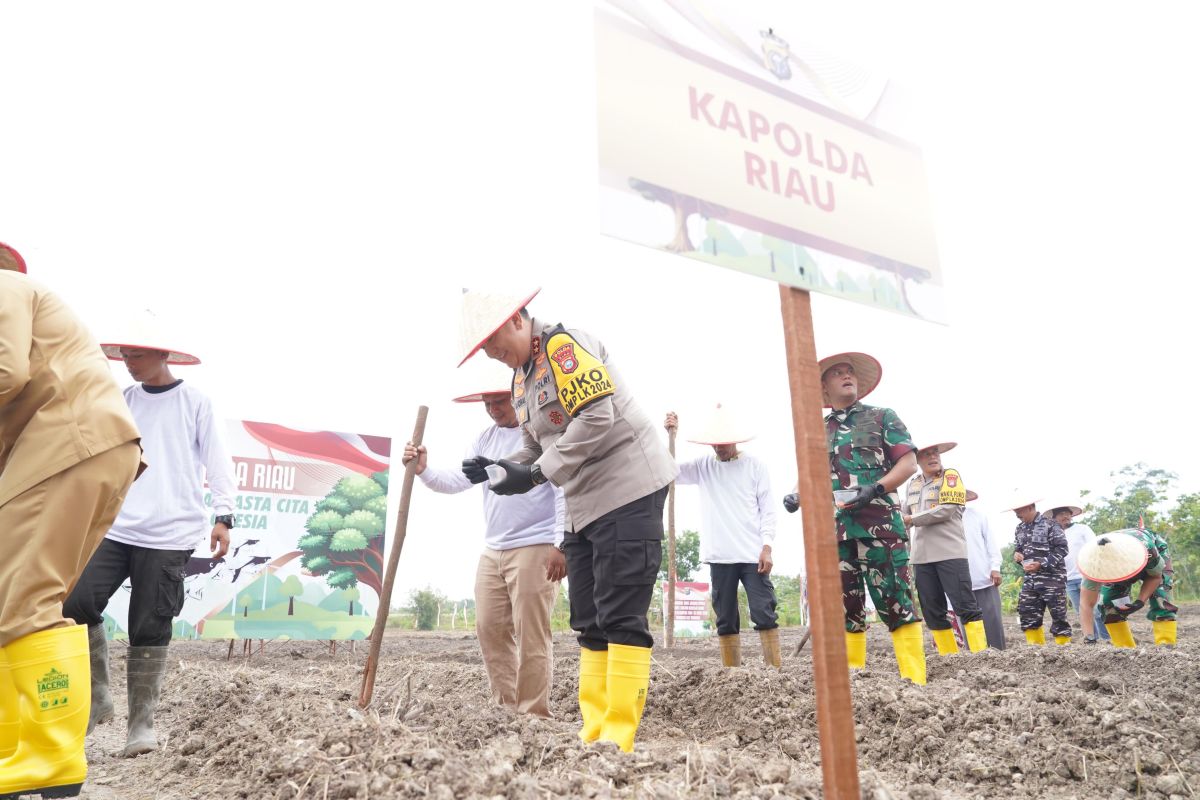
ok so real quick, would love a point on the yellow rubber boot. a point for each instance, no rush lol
(976, 636)
(628, 681)
(1122, 635)
(770, 648)
(1164, 631)
(10, 722)
(909, 644)
(947, 645)
(1036, 636)
(1061, 639)
(51, 672)
(731, 650)
(593, 696)
(856, 649)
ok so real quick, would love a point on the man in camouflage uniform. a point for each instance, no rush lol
(1156, 577)
(1041, 550)
(870, 456)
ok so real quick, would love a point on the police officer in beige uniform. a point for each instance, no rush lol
(68, 454)
(933, 511)
(583, 432)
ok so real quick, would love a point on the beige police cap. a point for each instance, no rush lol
(866, 368)
(146, 331)
(485, 378)
(722, 426)
(1113, 557)
(484, 313)
(10, 259)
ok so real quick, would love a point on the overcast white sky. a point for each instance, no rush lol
(303, 189)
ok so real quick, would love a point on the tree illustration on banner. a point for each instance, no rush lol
(344, 539)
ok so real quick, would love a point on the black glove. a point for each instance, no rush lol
(476, 468)
(865, 495)
(517, 480)
(791, 502)
(1132, 608)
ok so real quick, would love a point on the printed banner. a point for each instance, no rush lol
(306, 558)
(691, 609)
(740, 169)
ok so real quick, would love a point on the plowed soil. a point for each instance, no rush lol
(1053, 722)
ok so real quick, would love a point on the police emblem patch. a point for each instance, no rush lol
(556, 417)
(564, 356)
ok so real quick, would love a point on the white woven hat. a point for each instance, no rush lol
(721, 427)
(1113, 557)
(485, 378)
(484, 313)
(866, 368)
(146, 331)
(942, 447)
(1075, 510)
(1019, 498)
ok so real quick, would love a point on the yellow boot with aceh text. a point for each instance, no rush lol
(50, 670)
(628, 682)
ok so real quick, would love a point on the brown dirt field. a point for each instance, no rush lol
(1074, 722)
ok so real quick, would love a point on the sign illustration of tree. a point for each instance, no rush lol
(245, 604)
(683, 206)
(351, 595)
(344, 539)
(292, 588)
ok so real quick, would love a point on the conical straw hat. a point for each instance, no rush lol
(722, 426)
(10, 259)
(942, 447)
(1019, 498)
(146, 331)
(484, 313)
(866, 369)
(1113, 557)
(485, 378)
(1075, 510)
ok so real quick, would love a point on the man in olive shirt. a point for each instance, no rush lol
(933, 511)
(583, 432)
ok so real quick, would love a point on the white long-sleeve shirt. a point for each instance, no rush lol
(183, 443)
(983, 549)
(1078, 535)
(737, 513)
(519, 520)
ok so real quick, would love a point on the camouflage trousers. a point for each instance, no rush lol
(1039, 593)
(1160, 606)
(883, 563)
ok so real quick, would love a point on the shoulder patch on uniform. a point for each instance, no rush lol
(952, 490)
(579, 376)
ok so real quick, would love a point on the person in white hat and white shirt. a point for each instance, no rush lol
(737, 519)
(1078, 534)
(984, 557)
(160, 524)
(583, 432)
(1041, 550)
(933, 510)
(517, 578)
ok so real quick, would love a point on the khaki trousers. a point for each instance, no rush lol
(48, 534)
(513, 601)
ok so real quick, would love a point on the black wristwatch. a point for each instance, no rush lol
(226, 520)
(535, 474)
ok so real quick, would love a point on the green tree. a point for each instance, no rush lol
(687, 557)
(343, 538)
(1010, 579)
(351, 595)
(1141, 494)
(291, 588)
(424, 604)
